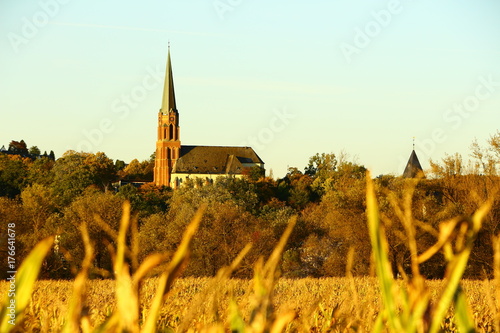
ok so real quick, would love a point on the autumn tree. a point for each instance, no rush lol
(38, 207)
(18, 147)
(488, 158)
(225, 229)
(337, 223)
(99, 212)
(102, 169)
(138, 171)
(10, 214)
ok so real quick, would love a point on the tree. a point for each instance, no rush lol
(13, 172)
(18, 147)
(138, 171)
(90, 208)
(488, 158)
(120, 165)
(254, 173)
(452, 165)
(224, 231)
(321, 165)
(40, 171)
(336, 224)
(10, 214)
(71, 177)
(102, 169)
(38, 207)
(34, 151)
(74, 172)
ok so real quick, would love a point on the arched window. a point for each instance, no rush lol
(171, 132)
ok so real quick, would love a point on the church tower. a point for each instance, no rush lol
(168, 144)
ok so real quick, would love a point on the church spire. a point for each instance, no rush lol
(168, 102)
(413, 168)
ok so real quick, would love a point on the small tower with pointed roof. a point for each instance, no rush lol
(168, 144)
(413, 168)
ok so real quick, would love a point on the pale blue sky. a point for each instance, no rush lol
(289, 78)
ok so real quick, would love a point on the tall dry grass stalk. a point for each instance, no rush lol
(410, 310)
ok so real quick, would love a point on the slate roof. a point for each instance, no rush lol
(214, 159)
(168, 101)
(413, 168)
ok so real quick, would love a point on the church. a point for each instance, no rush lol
(175, 163)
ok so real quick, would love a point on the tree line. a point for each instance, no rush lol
(45, 196)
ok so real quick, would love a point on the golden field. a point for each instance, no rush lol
(320, 305)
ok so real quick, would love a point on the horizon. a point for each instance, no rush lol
(288, 80)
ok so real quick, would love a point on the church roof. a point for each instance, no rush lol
(168, 102)
(413, 168)
(215, 159)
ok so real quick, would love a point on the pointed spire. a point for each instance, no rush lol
(168, 102)
(413, 168)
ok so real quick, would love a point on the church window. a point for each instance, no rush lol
(171, 132)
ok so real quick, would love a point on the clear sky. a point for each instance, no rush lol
(289, 78)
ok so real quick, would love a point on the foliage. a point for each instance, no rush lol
(100, 212)
(54, 196)
(13, 171)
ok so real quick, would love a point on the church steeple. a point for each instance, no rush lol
(168, 102)
(413, 168)
(168, 144)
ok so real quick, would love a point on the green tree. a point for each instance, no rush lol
(255, 173)
(40, 171)
(102, 169)
(71, 177)
(13, 172)
(34, 151)
(74, 172)
(120, 165)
